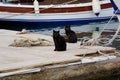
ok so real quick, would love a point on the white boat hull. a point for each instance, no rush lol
(66, 18)
(57, 16)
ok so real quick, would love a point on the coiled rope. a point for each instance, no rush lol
(115, 35)
(108, 22)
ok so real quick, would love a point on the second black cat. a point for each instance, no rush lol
(71, 35)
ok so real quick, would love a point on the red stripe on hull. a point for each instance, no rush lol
(51, 10)
(16, 9)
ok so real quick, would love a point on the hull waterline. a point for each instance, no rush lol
(18, 25)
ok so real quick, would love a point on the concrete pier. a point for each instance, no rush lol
(43, 63)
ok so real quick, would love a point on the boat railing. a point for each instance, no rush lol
(63, 5)
(31, 2)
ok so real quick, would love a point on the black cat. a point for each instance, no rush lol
(71, 35)
(59, 41)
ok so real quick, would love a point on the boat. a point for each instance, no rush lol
(116, 7)
(29, 16)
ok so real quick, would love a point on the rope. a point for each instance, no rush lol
(115, 35)
(102, 53)
(97, 51)
(108, 22)
(59, 4)
(96, 39)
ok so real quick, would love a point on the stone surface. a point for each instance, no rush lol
(16, 58)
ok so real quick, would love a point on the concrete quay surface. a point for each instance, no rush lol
(18, 59)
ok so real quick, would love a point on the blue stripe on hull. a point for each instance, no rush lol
(20, 24)
(115, 7)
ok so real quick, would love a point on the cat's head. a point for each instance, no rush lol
(67, 28)
(56, 33)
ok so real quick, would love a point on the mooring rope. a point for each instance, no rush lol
(104, 29)
(108, 22)
(114, 36)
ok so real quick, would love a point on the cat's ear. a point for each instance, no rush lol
(69, 26)
(53, 30)
(58, 31)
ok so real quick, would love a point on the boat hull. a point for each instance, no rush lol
(116, 6)
(13, 20)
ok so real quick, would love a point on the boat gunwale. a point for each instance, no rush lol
(51, 5)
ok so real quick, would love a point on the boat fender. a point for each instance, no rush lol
(96, 7)
(36, 6)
